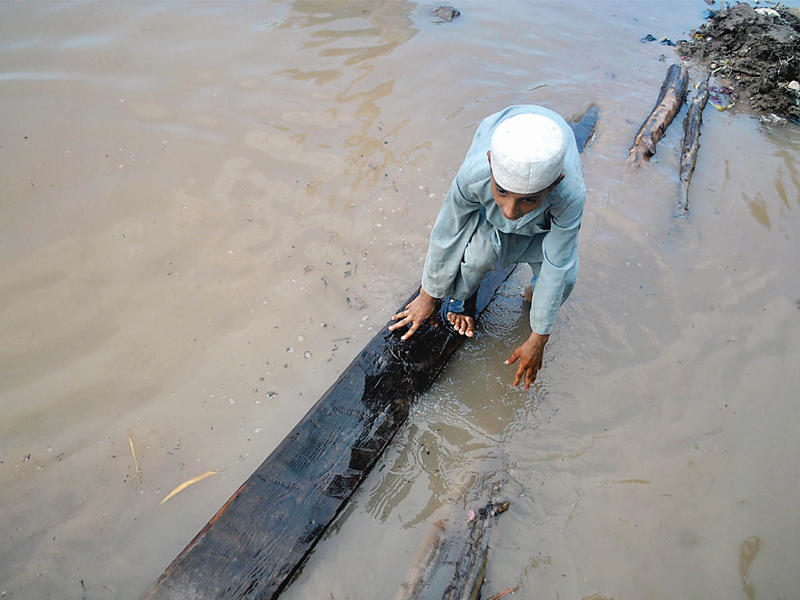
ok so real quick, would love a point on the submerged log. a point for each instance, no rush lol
(669, 102)
(584, 128)
(691, 144)
(471, 566)
(461, 576)
(422, 568)
(257, 540)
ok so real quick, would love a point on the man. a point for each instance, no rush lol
(518, 197)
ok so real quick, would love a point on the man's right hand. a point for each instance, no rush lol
(416, 313)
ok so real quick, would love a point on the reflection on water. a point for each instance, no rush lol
(389, 21)
(758, 208)
(209, 208)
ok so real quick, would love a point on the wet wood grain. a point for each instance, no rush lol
(470, 568)
(691, 143)
(668, 103)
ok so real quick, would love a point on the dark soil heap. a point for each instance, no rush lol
(757, 50)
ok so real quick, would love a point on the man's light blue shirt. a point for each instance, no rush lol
(556, 223)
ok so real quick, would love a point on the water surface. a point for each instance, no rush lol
(209, 208)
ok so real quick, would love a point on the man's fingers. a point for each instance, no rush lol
(530, 375)
(406, 320)
(521, 369)
(401, 315)
(522, 373)
(410, 331)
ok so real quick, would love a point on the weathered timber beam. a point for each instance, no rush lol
(669, 102)
(691, 144)
(255, 542)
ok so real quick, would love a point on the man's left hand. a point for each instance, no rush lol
(529, 355)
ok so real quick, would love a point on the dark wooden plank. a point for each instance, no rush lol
(254, 543)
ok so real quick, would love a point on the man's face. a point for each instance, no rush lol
(515, 206)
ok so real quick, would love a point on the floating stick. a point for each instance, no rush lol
(135, 462)
(508, 590)
(186, 484)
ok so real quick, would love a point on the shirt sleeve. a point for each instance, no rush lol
(457, 221)
(560, 256)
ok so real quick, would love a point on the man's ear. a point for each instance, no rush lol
(554, 185)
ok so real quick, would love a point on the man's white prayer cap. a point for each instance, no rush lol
(527, 153)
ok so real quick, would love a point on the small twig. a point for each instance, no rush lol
(508, 590)
(744, 72)
(135, 462)
(186, 484)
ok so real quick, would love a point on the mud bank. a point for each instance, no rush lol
(757, 52)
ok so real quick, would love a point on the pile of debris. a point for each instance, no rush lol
(757, 50)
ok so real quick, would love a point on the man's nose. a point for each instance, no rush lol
(510, 212)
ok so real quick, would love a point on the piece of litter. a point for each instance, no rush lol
(768, 12)
(138, 473)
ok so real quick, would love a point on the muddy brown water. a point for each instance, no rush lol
(208, 209)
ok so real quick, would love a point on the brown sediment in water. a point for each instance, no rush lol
(317, 135)
(757, 50)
